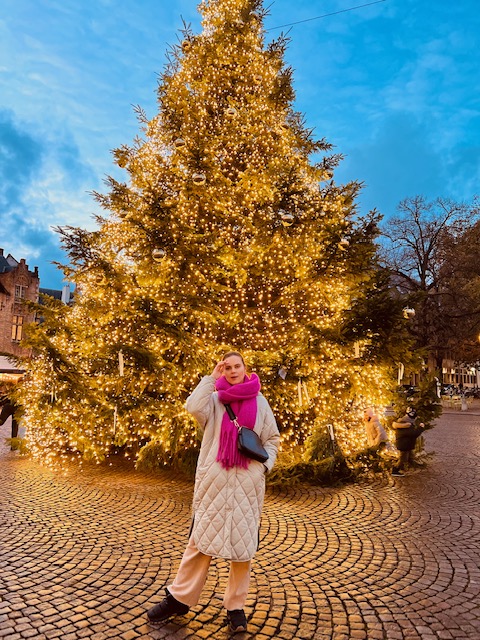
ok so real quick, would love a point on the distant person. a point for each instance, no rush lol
(8, 408)
(229, 491)
(406, 434)
(376, 435)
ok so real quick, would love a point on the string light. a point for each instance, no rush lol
(223, 237)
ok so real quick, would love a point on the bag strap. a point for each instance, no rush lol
(232, 416)
(230, 412)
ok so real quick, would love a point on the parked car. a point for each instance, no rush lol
(408, 390)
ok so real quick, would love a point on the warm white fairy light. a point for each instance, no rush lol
(195, 256)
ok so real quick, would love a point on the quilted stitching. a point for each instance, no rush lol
(227, 509)
(227, 503)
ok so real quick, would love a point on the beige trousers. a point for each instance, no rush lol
(192, 574)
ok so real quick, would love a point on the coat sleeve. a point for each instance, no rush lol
(271, 439)
(402, 423)
(200, 402)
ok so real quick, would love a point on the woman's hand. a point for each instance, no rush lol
(219, 369)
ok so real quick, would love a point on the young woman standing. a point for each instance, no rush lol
(229, 490)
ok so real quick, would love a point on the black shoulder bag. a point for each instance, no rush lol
(248, 441)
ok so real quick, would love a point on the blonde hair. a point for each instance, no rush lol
(233, 353)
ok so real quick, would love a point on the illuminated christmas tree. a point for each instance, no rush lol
(229, 232)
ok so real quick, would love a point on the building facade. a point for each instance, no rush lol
(463, 376)
(17, 285)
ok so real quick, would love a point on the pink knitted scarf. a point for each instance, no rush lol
(242, 398)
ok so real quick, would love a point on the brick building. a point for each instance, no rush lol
(17, 284)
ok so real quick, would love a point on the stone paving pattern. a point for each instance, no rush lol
(84, 556)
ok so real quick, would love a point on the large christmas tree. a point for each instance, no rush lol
(229, 232)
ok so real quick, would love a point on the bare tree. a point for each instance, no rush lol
(420, 248)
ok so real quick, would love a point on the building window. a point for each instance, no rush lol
(20, 292)
(17, 328)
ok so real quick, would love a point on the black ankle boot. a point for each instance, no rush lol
(165, 609)
(237, 620)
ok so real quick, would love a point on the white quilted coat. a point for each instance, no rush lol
(227, 503)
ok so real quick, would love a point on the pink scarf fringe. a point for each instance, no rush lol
(242, 398)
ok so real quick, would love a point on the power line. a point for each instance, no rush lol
(326, 15)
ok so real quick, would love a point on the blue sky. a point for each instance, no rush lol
(394, 86)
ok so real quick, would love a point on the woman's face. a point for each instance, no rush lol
(234, 370)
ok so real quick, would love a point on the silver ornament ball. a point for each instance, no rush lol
(158, 254)
(199, 179)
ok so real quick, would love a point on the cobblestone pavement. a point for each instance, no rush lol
(84, 556)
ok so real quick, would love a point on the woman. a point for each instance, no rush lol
(8, 408)
(406, 434)
(229, 490)
(376, 434)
